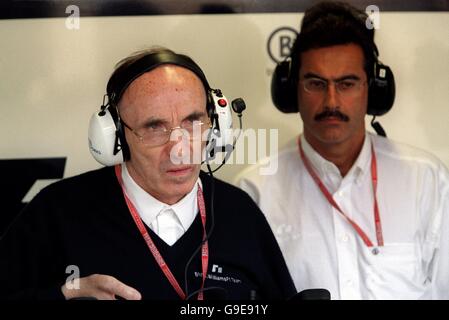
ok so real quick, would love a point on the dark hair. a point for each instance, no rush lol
(334, 23)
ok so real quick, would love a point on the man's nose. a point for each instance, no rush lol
(179, 142)
(177, 134)
(331, 96)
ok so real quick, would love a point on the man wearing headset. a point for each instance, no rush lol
(355, 213)
(153, 226)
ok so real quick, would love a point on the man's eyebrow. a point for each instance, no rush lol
(351, 76)
(348, 77)
(153, 121)
(309, 75)
(196, 115)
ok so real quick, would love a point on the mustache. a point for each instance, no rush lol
(331, 113)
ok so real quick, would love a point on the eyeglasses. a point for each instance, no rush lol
(344, 87)
(159, 134)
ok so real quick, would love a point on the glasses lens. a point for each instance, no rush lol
(315, 85)
(154, 138)
(349, 86)
(189, 129)
(195, 129)
(346, 87)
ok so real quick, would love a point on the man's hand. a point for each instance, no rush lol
(101, 287)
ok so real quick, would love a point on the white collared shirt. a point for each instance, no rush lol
(321, 248)
(149, 207)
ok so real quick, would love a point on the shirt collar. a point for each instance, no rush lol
(149, 207)
(320, 164)
(323, 166)
(363, 163)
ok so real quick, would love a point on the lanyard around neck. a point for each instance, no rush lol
(330, 199)
(155, 252)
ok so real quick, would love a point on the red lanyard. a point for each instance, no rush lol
(157, 256)
(326, 193)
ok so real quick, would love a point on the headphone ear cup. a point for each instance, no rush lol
(382, 90)
(283, 88)
(102, 138)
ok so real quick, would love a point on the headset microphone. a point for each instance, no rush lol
(238, 105)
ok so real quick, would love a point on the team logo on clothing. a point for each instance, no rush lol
(216, 268)
(218, 275)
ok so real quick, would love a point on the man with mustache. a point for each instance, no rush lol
(151, 227)
(354, 213)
